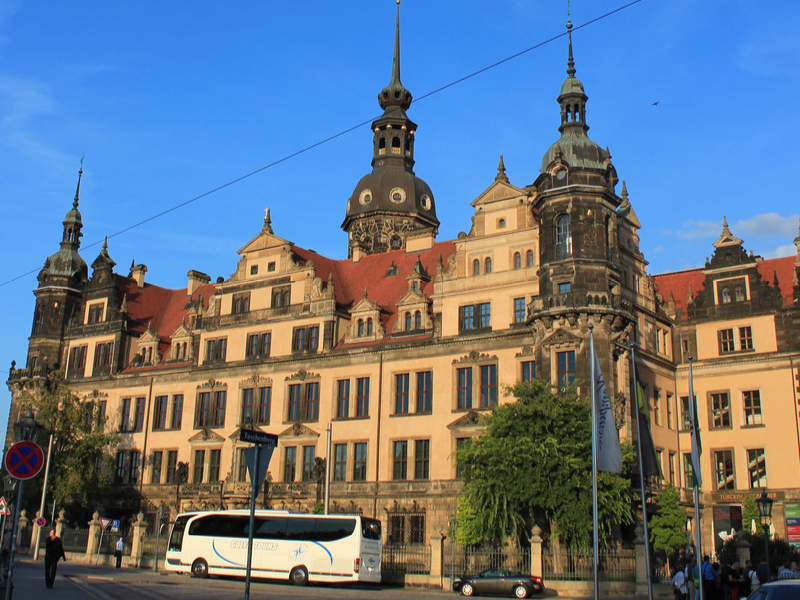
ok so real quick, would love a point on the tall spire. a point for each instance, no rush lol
(78, 189)
(570, 61)
(395, 95)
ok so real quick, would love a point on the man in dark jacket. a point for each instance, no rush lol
(54, 550)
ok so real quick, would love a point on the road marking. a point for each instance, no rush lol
(88, 590)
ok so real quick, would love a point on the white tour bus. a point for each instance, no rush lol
(296, 546)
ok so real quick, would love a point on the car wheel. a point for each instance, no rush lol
(467, 589)
(299, 576)
(520, 591)
(200, 568)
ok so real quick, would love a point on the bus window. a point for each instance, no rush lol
(370, 528)
(330, 530)
(300, 529)
(176, 539)
(270, 529)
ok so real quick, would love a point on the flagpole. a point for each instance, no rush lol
(594, 466)
(641, 471)
(698, 546)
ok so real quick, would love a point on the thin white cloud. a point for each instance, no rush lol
(767, 225)
(781, 251)
(695, 230)
(774, 55)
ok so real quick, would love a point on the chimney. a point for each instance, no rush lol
(196, 279)
(137, 273)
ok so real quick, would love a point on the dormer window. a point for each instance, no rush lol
(739, 293)
(408, 322)
(361, 328)
(415, 286)
(94, 314)
(418, 320)
(369, 326)
(725, 295)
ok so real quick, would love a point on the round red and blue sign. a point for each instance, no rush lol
(24, 460)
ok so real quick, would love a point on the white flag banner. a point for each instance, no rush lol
(609, 455)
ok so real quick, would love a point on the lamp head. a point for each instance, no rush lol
(764, 504)
(27, 429)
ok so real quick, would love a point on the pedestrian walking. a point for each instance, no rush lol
(53, 551)
(691, 567)
(118, 552)
(679, 588)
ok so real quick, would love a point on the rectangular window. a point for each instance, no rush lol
(466, 318)
(669, 412)
(565, 287)
(213, 465)
(360, 461)
(138, 415)
(723, 470)
(342, 398)
(258, 344)
(76, 365)
(103, 354)
(416, 527)
(294, 402)
(475, 316)
(401, 394)
(464, 388)
(671, 466)
(424, 392)
(519, 310)
(485, 313)
(422, 459)
(281, 296)
(657, 406)
(312, 401)
(757, 468)
(528, 370)
(264, 405)
(305, 339)
(400, 461)
(160, 413)
(488, 385)
(720, 410)
(565, 369)
(726, 341)
(172, 465)
(309, 453)
(241, 303)
(155, 472)
(362, 399)
(216, 350)
(688, 473)
(101, 413)
(339, 462)
(133, 475)
(177, 411)
(289, 463)
(686, 420)
(247, 405)
(745, 338)
(199, 466)
(125, 415)
(95, 314)
(202, 417)
(751, 401)
(241, 475)
(460, 443)
(122, 463)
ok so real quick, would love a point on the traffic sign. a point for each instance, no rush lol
(115, 525)
(264, 455)
(104, 523)
(24, 460)
(258, 437)
(4, 507)
(41, 522)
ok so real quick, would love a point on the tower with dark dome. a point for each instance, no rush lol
(391, 202)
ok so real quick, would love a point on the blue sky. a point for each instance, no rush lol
(169, 100)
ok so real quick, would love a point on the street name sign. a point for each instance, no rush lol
(258, 437)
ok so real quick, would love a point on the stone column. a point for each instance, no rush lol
(436, 555)
(742, 548)
(136, 543)
(61, 521)
(23, 523)
(94, 535)
(641, 563)
(537, 566)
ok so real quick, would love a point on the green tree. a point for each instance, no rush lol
(533, 465)
(81, 464)
(668, 524)
(750, 514)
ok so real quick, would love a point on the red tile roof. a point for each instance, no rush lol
(678, 283)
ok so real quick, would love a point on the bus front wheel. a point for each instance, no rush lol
(299, 576)
(200, 568)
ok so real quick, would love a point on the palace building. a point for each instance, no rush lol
(401, 347)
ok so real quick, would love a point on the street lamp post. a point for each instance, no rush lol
(25, 430)
(764, 503)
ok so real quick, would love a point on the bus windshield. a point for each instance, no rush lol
(176, 539)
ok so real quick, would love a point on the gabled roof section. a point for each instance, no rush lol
(726, 238)
(681, 285)
(265, 240)
(500, 190)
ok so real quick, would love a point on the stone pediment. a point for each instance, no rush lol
(365, 306)
(471, 419)
(474, 357)
(181, 332)
(206, 436)
(212, 384)
(412, 298)
(255, 380)
(298, 430)
(499, 191)
(302, 375)
(264, 241)
(561, 337)
(148, 336)
(726, 238)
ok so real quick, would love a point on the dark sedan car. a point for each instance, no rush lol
(500, 582)
(784, 589)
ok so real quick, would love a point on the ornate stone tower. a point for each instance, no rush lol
(391, 202)
(58, 296)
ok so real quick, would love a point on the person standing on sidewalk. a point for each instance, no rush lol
(118, 552)
(53, 551)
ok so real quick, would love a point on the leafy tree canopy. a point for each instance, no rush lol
(668, 524)
(533, 465)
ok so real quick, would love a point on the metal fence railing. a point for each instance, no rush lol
(411, 560)
(565, 564)
(458, 560)
(108, 543)
(149, 546)
(75, 540)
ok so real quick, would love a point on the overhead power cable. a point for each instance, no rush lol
(340, 134)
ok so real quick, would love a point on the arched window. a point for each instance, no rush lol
(395, 145)
(408, 321)
(369, 326)
(476, 267)
(517, 260)
(487, 265)
(529, 258)
(396, 243)
(381, 145)
(417, 320)
(726, 295)
(415, 286)
(361, 328)
(563, 237)
(739, 293)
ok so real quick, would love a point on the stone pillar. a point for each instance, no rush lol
(537, 566)
(641, 563)
(61, 521)
(23, 523)
(94, 535)
(436, 555)
(136, 543)
(742, 548)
